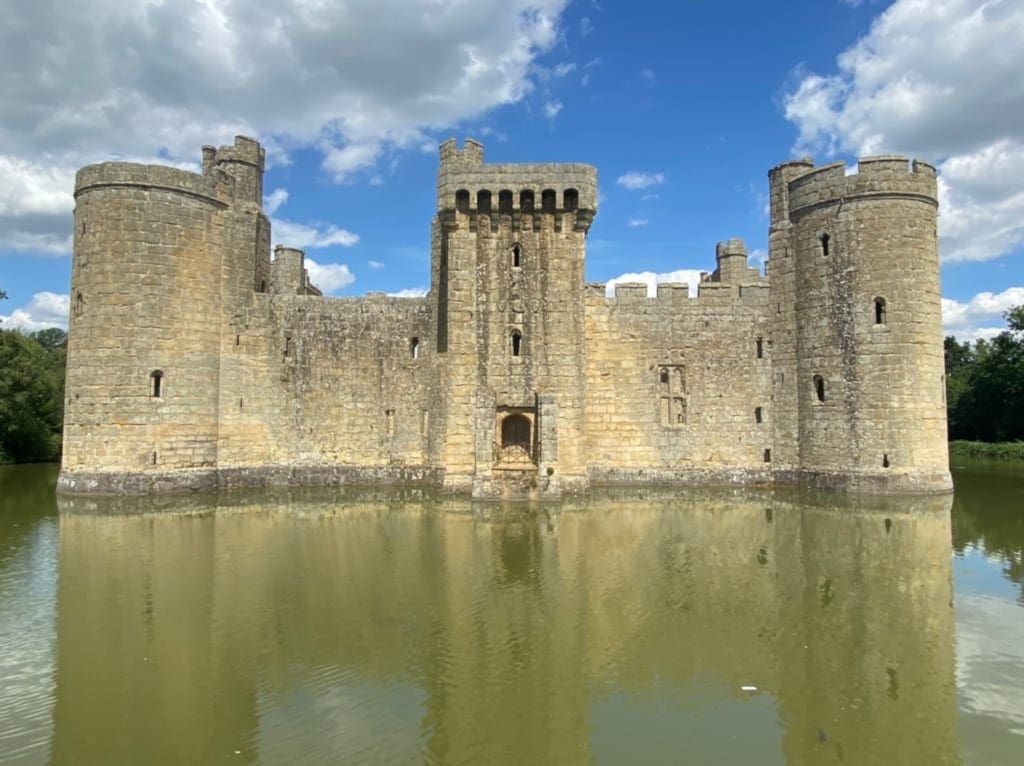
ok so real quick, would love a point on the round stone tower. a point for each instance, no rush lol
(869, 380)
(144, 331)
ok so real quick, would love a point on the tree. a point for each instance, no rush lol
(31, 395)
(985, 384)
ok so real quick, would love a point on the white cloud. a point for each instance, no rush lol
(552, 108)
(586, 26)
(329, 277)
(36, 193)
(274, 200)
(634, 180)
(988, 634)
(342, 162)
(652, 279)
(44, 310)
(563, 69)
(648, 74)
(934, 79)
(636, 223)
(375, 264)
(410, 292)
(982, 316)
(93, 80)
(307, 236)
(981, 203)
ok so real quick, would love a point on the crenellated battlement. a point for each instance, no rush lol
(453, 157)
(884, 176)
(671, 294)
(468, 186)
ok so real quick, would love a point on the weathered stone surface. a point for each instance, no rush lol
(198, 361)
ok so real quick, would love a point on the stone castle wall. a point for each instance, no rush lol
(678, 388)
(199, 359)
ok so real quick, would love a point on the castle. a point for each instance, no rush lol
(196, 360)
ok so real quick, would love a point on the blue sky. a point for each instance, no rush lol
(682, 106)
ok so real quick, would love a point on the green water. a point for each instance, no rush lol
(704, 628)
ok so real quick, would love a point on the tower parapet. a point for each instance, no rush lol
(875, 177)
(467, 185)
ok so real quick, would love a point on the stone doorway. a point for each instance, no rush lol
(516, 440)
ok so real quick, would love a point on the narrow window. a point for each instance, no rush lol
(153, 457)
(156, 383)
(78, 303)
(389, 417)
(462, 200)
(505, 202)
(824, 243)
(414, 348)
(517, 255)
(263, 285)
(664, 376)
(517, 342)
(879, 310)
(238, 339)
(760, 348)
(547, 201)
(819, 387)
(571, 200)
(287, 345)
(757, 414)
(767, 456)
(483, 202)
(526, 201)
(885, 460)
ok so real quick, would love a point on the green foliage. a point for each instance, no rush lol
(994, 451)
(31, 395)
(985, 385)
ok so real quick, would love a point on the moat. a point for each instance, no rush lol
(707, 627)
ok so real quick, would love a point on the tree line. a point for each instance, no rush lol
(31, 394)
(985, 385)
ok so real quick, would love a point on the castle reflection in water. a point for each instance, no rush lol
(304, 627)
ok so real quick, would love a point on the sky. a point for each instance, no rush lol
(682, 106)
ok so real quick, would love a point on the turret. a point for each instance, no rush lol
(732, 260)
(867, 334)
(245, 162)
(160, 255)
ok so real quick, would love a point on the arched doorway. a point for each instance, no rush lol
(516, 438)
